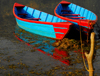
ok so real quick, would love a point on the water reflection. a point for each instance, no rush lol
(42, 44)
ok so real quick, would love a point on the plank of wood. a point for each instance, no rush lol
(33, 18)
(76, 17)
(70, 14)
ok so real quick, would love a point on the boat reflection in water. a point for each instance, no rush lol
(42, 44)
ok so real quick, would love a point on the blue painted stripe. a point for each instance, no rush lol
(46, 17)
(52, 18)
(39, 15)
(60, 27)
(85, 27)
(33, 12)
(59, 32)
(85, 31)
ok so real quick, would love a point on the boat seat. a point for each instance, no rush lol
(76, 17)
(70, 14)
(22, 14)
(34, 19)
(65, 10)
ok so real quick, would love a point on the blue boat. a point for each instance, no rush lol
(41, 23)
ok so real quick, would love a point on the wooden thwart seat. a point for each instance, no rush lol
(70, 14)
(33, 18)
(76, 17)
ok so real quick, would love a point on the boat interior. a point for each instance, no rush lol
(73, 11)
(34, 14)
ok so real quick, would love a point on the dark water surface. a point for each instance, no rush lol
(18, 59)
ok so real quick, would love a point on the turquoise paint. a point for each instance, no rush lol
(43, 16)
(89, 14)
(59, 32)
(25, 8)
(49, 18)
(54, 19)
(60, 27)
(85, 13)
(77, 10)
(58, 20)
(37, 39)
(82, 12)
(30, 11)
(41, 29)
(36, 14)
(73, 7)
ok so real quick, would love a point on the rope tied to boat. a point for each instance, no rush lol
(82, 49)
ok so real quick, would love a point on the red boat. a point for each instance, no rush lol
(77, 15)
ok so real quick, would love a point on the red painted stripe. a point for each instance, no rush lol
(62, 24)
(60, 30)
(41, 51)
(65, 31)
(21, 40)
(19, 5)
(60, 36)
(65, 2)
(60, 54)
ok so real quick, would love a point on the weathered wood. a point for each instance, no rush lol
(90, 55)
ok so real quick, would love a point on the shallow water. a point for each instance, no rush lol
(17, 58)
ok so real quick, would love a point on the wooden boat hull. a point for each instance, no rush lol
(77, 15)
(40, 23)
